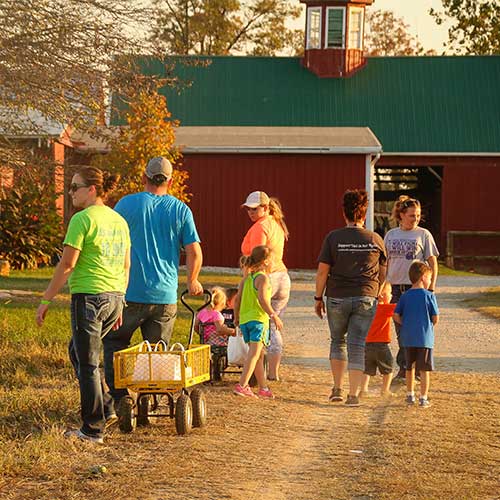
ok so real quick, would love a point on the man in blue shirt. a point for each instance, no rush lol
(160, 225)
(417, 313)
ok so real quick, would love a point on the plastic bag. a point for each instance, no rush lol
(237, 350)
(158, 365)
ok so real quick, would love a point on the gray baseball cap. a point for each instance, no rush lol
(159, 166)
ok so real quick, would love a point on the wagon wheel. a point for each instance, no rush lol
(199, 403)
(126, 414)
(183, 414)
(143, 409)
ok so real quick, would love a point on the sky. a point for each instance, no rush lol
(415, 13)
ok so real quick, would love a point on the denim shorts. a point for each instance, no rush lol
(349, 319)
(255, 331)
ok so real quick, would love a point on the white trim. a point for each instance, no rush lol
(370, 189)
(443, 153)
(281, 149)
(308, 27)
(361, 27)
(328, 9)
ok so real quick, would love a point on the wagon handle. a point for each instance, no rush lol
(206, 293)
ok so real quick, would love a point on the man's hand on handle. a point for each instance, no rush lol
(194, 287)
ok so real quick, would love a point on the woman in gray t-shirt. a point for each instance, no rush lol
(351, 268)
(405, 244)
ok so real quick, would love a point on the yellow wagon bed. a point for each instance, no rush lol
(153, 371)
(141, 370)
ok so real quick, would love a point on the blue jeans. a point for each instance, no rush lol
(349, 319)
(156, 322)
(397, 291)
(92, 317)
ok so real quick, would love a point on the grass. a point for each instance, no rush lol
(382, 450)
(447, 271)
(38, 391)
(487, 303)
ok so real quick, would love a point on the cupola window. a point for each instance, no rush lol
(314, 28)
(356, 28)
(336, 28)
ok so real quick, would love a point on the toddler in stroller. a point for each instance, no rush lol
(209, 324)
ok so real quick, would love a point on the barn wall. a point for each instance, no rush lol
(310, 188)
(470, 191)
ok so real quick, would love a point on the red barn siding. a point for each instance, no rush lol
(470, 187)
(310, 188)
(58, 156)
(336, 63)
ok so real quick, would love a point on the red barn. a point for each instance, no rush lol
(305, 129)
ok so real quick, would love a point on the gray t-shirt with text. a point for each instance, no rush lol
(355, 256)
(403, 247)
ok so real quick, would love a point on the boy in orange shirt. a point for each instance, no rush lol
(377, 351)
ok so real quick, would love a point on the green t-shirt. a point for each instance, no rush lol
(250, 308)
(102, 237)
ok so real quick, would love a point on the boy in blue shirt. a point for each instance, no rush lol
(417, 313)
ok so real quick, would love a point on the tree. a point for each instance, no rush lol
(59, 59)
(30, 227)
(475, 25)
(220, 27)
(150, 132)
(387, 35)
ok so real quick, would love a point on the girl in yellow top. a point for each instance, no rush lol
(252, 310)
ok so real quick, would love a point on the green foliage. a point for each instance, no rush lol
(475, 25)
(30, 225)
(221, 27)
(150, 132)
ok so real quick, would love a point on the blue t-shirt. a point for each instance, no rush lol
(159, 227)
(417, 306)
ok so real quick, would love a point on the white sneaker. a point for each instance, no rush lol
(78, 434)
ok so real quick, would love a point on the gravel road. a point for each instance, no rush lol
(465, 340)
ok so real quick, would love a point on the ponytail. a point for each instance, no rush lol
(402, 204)
(103, 181)
(256, 258)
(276, 212)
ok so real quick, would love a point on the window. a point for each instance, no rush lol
(356, 28)
(335, 27)
(314, 27)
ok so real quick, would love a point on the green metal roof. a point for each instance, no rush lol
(412, 104)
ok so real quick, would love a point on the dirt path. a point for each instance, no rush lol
(465, 340)
(303, 447)
(299, 446)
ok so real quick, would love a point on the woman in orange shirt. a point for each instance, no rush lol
(269, 229)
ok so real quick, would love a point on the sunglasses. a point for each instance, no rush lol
(73, 188)
(410, 203)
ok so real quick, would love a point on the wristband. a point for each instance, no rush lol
(45, 302)
(318, 299)
(431, 290)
